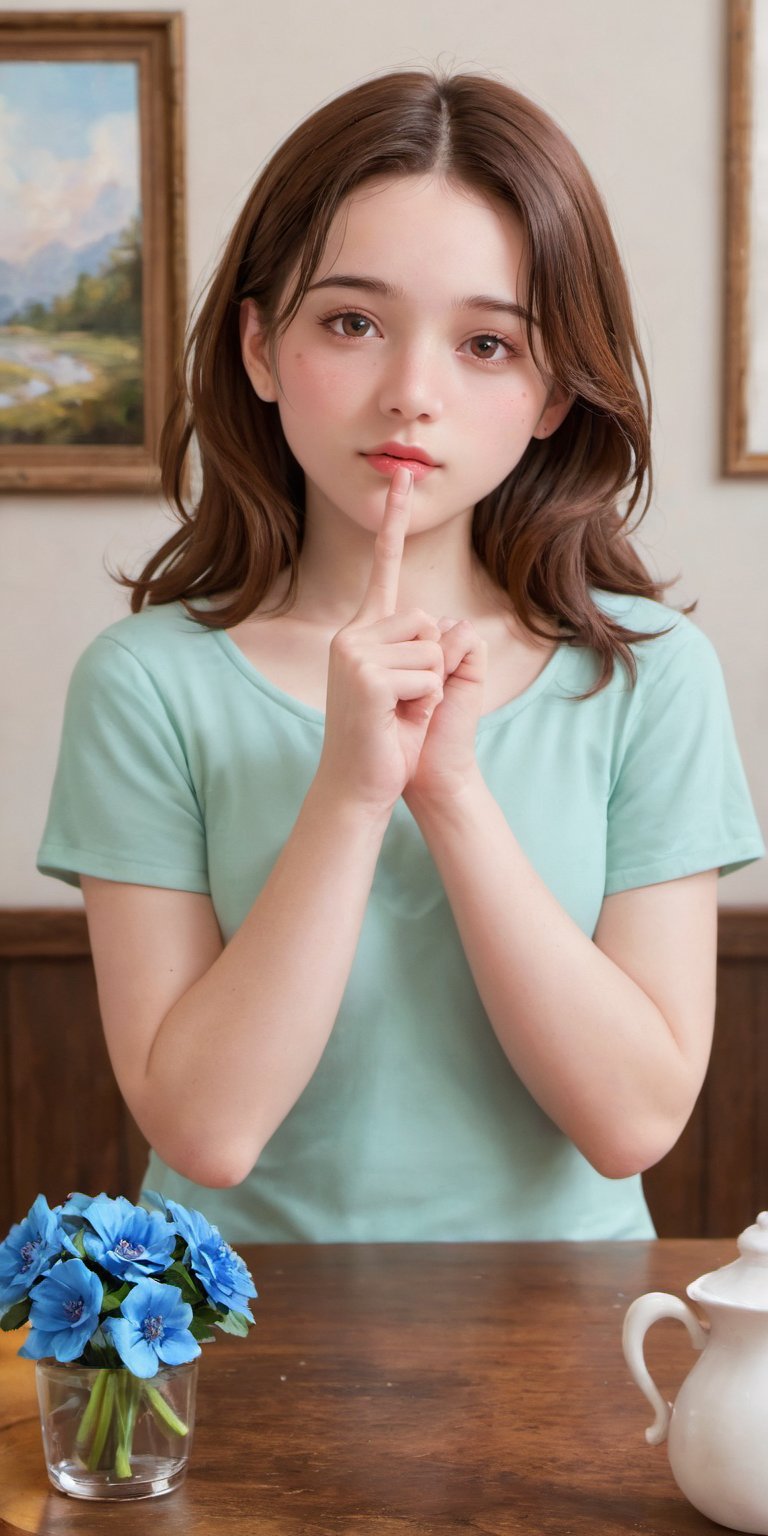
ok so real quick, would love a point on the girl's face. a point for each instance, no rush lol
(408, 336)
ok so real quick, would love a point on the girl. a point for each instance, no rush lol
(398, 801)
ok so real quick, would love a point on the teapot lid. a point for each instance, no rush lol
(744, 1283)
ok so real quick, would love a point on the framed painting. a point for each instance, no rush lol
(92, 246)
(746, 308)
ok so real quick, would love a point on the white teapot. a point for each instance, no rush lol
(718, 1428)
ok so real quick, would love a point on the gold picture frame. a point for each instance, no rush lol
(745, 434)
(86, 366)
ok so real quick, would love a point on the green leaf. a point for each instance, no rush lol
(79, 1244)
(16, 1314)
(201, 1331)
(179, 1275)
(112, 1300)
(209, 1314)
(235, 1322)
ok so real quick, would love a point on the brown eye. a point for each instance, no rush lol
(349, 318)
(354, 322)
(490, 344)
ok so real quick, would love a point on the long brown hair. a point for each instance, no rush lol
(554, 528)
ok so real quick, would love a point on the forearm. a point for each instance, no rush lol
(590, 1045)
(237, 1050)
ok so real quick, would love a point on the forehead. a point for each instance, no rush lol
(425, 231)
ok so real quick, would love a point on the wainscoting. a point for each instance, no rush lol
(63, 1125)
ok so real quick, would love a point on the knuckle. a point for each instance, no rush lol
(367, 672)
(341, 642)
(423, 619)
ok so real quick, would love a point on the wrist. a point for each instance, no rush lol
(452, 801)
(349, 814)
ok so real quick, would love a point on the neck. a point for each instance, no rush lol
(440, 573)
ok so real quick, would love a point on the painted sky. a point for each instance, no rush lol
(69, 153)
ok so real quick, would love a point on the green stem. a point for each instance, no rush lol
(91, 1409)
(103, 1421)
(128, 1395)
(163, 1411)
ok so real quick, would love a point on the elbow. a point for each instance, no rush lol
(627, 1156)
(210, 1164)
(636, 1142)
(207, 1149)
(210, 1169)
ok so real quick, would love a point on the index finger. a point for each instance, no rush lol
(381, 593)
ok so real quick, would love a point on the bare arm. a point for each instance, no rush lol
(611, 1036)
(212, 1045)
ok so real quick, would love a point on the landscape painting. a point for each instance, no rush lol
(71, 367)
(93, 301)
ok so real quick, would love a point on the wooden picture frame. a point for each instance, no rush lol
(82, 405)
(746, 309)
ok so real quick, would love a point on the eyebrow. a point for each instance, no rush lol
(390, 291)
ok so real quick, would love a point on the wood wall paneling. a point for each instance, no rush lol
(64, 1123)
(715, 1180)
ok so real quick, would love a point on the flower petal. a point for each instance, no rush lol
(177, 1348)
(134, 1351)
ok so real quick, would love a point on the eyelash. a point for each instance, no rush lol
(489, 362)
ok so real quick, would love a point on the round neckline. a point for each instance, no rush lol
(278, 695)
(498, 716)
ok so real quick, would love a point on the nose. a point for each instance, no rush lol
(412, 386)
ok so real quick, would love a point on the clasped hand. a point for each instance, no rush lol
(405, 690)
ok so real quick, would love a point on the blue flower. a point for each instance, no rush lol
(71, 1212)
(30, 1248)
(65, 1311)
(221, 1271)
(153, 1329)
(127, 1240)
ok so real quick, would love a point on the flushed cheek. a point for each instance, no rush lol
(507, 425)
(323, 384)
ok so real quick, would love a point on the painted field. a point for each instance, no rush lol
(69, 387)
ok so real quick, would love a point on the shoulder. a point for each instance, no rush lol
(668, 641)
(149, 634)
(153, 644)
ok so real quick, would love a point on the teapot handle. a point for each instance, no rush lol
(646, 1310)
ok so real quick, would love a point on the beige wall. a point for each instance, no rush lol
(640, 88)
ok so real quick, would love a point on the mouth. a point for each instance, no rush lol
(386, 459)
(407, 453)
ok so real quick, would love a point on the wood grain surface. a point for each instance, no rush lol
(392, 1388)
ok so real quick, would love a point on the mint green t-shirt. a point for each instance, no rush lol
(181, 766)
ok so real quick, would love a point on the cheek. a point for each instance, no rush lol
(509, 417)
(316, 384)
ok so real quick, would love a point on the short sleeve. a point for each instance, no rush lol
(680, 802)
(123, 805)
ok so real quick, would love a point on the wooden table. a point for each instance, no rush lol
(409, 1388)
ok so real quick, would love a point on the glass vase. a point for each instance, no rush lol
(108, 1434)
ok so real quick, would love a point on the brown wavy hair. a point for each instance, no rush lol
(554, 528)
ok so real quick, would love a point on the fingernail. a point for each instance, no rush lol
(402, 479)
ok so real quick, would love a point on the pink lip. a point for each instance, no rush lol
(406, 452)
(386, 465)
